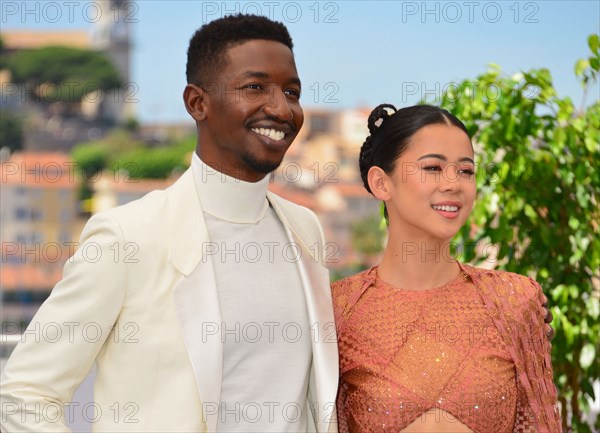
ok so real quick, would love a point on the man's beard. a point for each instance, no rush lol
(263, 167)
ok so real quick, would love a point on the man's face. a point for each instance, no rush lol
(252, 110)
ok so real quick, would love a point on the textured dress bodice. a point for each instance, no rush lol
(405, 352)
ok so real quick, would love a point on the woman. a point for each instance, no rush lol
(428, 344)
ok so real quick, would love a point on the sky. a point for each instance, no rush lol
(349, 53)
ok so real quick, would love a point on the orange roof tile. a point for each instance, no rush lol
(28, 39)
(31, 277)
(40, 170)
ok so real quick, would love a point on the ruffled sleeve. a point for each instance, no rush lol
(515, 304)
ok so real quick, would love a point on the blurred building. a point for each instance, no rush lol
(40, 217)
(39, 198)
(320, 171)
(59, 125)
(39, 223)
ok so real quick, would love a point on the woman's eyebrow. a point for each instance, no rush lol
(443, 157)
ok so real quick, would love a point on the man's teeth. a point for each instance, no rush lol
(446, 208)
(273, 134)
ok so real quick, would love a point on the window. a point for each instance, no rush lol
(36, 214)
(65, 214)
(64, 236)
(21, 214)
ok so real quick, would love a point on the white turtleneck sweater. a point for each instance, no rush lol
(265, 330)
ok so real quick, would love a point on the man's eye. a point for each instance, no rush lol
(253, 86)
(294, 93)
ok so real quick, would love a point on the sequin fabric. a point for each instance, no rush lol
(404, 352)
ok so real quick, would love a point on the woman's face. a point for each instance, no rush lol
(432, 187)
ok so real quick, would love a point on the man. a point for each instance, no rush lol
(222, 319)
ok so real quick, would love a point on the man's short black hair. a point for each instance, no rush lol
(206, 53)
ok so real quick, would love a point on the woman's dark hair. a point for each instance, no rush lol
(206, 52)
(392, 129)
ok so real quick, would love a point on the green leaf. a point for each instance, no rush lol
(588, 388)
(581, 66)
(573, 223)
(587, 356)
(593, 43)
(574, 291)
(593, 307)
(530, 212)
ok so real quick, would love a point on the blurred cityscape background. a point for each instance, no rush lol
(71, 153)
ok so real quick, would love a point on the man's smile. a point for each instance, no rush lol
(271, 133)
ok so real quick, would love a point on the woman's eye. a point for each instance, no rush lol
(432, 168)
(467, 171)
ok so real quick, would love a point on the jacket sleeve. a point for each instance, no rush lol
(537, 408)
(60, 345)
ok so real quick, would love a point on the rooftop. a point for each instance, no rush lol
(29, 39)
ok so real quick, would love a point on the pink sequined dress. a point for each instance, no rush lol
(473, 348)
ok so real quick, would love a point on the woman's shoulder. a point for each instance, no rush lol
(342, 290)
(350, 281)
(505, 284)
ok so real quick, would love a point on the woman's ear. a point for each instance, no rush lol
(194, 98)
(380, 183)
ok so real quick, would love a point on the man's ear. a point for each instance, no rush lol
(194, 98)
(380, 183)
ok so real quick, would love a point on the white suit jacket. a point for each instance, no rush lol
(139, 297)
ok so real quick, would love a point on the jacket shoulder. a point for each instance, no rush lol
(146, 206)
(133, 221)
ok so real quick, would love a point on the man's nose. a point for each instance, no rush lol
(278, 106)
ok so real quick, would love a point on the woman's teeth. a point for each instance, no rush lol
(446, 208)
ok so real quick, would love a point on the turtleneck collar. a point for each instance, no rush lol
(228, 198)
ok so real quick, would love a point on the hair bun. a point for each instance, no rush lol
(378, 115)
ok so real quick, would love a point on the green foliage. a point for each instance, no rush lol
(367, 236)
(156, 163)
(587, 69)
(538, 201)
(120, 151)
(96, 156)
(69, 73)
(11, 131)
(132, 124)
(90, 158)
(2, 57)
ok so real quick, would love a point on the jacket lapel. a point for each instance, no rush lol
(317, 292)
(195, 294)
